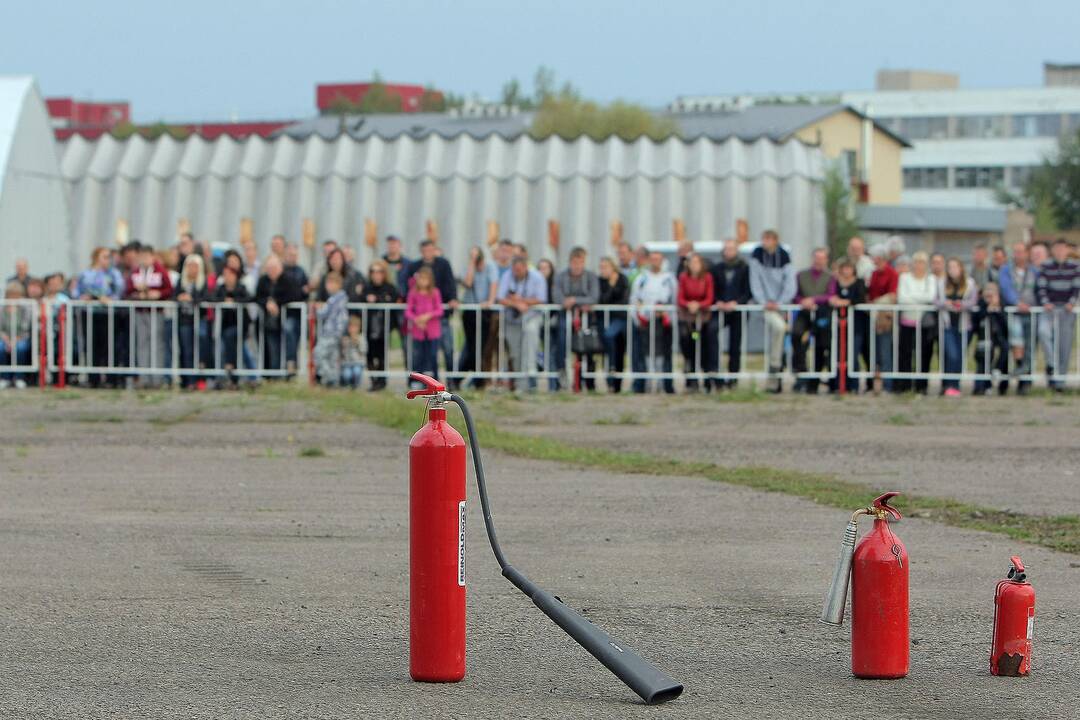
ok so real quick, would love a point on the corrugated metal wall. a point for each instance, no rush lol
(461, 183)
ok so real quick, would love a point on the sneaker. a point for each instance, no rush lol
(20, 384)
(952, 392)
(5, 384)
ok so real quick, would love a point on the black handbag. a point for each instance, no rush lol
(587, 341)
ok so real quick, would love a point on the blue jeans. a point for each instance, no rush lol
(187, 349)
(290, 331)
(446, 341)
(425, 356)
(661, 357)
(954, 353)
(352, 374)
(22, 357)
(883, 347)
(615, 349)
(227, 349)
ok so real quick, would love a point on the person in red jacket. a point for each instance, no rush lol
(149, 282)
(696, 323)
(882, 291)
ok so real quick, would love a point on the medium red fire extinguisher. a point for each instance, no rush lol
(878, 570)
(1014, 619)
(436, 542)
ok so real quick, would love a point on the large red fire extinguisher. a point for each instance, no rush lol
(878, 570)
(436, 543)
(1014, 619)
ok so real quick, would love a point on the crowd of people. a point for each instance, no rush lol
(530, 311)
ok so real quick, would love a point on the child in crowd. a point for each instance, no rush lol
(15, 328)
(353, 349)
(991, 340)
(423, 312)
(333, 320)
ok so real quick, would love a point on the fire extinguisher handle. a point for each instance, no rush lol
(431, 386)
(1017, 567)
(882, 503)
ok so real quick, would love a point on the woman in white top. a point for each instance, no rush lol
(918, 328)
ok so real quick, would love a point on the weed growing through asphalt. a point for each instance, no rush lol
(312, 452)
(1057, 532)
(899, 419)
(627, 418)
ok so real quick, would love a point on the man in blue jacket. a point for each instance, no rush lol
(1017, 282)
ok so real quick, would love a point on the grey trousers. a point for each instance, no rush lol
(523, 343)
(1057, 330)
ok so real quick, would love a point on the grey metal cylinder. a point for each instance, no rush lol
(835, 601)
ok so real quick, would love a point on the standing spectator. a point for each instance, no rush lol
(683, 250)
(814, 288)
(15, 342)
(290, 261)
(353, 348)
(278, 248)
(918, 327)
(614, 290)
(519, 291)
(641, 263)
(231, 297)
(380, 321)
(328, 247)
(1058, 290)
(547, 270)
(882, 290)
(443, 275)
(1017, 291)
(772, 284)
(184, 247)
(423, 311)
(896, 248)
(333, 317)
(991, 330)
(273, 293)
(480, 285)
(696, 325)
(252, 268)
(864, 265)
(847, 290)
(957, 296)
(937, 266)
(980, 265)
(998, 260)
(192, 327)
(575, 289)
(504, 255)
(100, 285)
(652, 327)
(149, 281)
(731, 287)
(396, 262)
(625, 255)
(22, 273)
(352, 281)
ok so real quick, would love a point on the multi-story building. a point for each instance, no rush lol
(965, 143)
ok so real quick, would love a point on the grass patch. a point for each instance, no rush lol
(627, 418)
(312, 452)
(22, 451)
(1057, 532)
(899, 419)
(170, 420)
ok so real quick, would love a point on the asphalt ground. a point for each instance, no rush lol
(195, 556)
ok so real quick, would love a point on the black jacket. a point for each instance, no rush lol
(283, 291)
(377, 324)
(731, 281)
(230, 316)
(444, 278)
(353, 285)
(617, 294)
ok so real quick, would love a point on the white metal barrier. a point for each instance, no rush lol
(635, 345)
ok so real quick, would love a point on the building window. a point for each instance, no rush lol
(931, 178)
(1043, 125)
(1072, 122)
(980, 126)
(924, 128)
(979, 177)
(1020, 176)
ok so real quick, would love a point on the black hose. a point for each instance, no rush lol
(650, 684)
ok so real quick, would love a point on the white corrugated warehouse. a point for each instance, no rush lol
(34, 220)
(459, 182)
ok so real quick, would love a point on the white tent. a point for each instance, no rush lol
(34, 219)
(461, 183)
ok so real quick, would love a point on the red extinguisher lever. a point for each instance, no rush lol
(881, 503)
(431, 386)
(1017, 572)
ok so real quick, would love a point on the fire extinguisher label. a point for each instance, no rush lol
(1031, 622)
(461, 544)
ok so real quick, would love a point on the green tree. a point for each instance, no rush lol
(379, 99)
(1055, 185)
(568, 116)
(840, 223)
(432, 101)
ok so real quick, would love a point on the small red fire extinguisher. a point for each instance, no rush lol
(1014, 619)
(436, 542)
(878, 570)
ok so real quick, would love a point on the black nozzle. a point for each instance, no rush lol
(653, 686)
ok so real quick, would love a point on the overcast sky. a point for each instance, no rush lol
(208, 60)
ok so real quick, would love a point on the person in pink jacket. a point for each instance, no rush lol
(423, 311)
